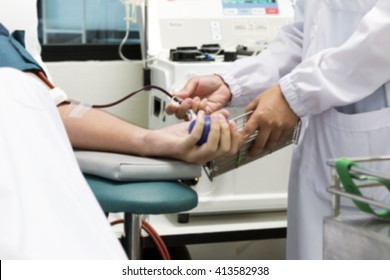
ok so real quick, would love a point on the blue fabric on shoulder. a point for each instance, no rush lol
(13, 53)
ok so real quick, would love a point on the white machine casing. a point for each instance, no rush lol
(257, 186)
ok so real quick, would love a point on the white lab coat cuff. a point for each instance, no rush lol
(289, 90)
(238, 98)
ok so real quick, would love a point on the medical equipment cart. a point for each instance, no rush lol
(358, 236)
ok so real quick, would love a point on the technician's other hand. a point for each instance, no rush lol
(207, 93)
(223, 139)
(272, 116)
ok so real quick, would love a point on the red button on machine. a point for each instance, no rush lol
(272, 11)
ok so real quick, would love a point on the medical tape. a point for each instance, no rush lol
(78, 109)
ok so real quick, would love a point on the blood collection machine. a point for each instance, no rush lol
(181, 34)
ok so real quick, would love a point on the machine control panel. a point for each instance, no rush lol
(229, 23)
(250, 7)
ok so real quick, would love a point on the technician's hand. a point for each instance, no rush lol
(223, 139)
(272, 116)
(207, 93)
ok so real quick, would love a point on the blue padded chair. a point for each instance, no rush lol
(138, 186)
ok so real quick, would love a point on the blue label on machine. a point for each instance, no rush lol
(250, 7)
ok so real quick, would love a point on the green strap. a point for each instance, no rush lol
(342, 167)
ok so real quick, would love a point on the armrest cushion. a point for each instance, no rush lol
(120, 167)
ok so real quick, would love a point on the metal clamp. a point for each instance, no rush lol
(372, 178)
(224, 164)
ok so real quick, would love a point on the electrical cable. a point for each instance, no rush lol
(117, 222)
(156, 238)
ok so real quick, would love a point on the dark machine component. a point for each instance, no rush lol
(189, 54)
(183, 218)
(211, 48)
(244, 50)
(184, 54)
(229, 56)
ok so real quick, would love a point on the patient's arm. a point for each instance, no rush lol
(101, 131)
(98, 130)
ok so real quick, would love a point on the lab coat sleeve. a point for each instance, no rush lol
(250, 76)
(344, 75)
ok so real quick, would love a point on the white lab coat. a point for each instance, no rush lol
(333, 66)
(47, 210)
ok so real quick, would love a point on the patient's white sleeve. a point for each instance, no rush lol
(47, 210)
(58, 95)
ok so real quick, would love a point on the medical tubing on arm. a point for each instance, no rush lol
(78, 109)
(149, 87)
(81, 108)
(101, 106)
(42, 76)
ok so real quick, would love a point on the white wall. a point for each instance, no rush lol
(97, 82)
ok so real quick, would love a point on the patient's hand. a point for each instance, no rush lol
(223, 139)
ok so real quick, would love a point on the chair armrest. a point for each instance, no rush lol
(121, 167)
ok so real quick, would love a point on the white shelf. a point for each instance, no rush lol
(167, 225)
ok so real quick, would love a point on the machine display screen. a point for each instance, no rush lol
(250, 7)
